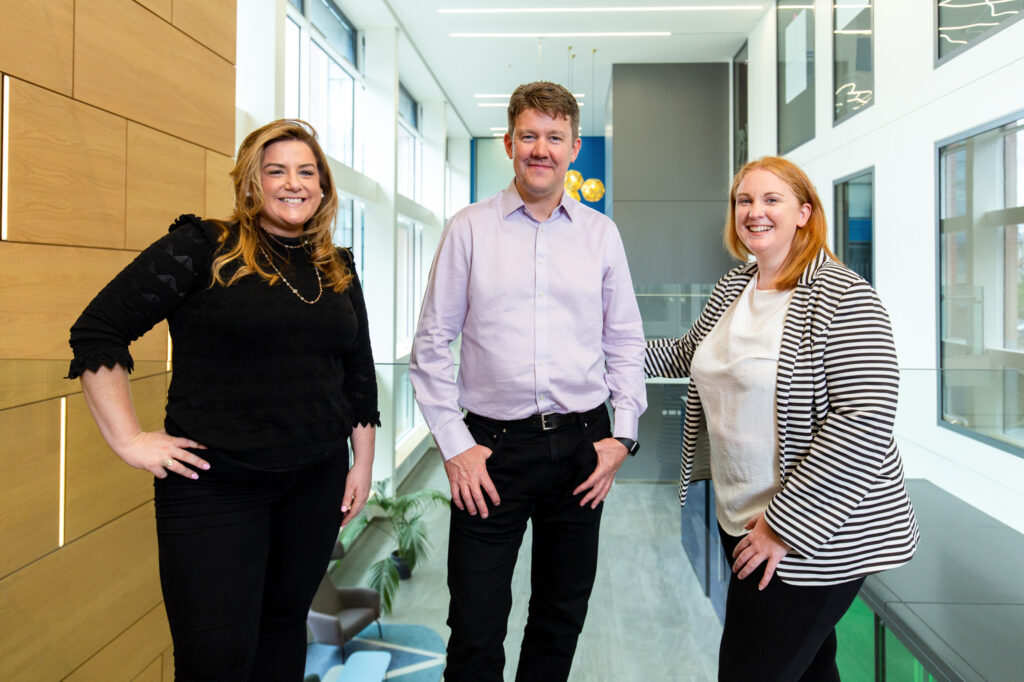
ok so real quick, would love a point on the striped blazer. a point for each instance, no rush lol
(843, 507)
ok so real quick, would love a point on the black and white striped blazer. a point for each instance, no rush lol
(843, 507)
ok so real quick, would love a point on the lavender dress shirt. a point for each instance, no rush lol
(548, 318)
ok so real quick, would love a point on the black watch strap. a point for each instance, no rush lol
(631, 445)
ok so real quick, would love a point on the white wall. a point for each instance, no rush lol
(916, 105)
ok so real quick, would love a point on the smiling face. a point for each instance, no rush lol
(291, 187)
(768, 214)
(541, 148)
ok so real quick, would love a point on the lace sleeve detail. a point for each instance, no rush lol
(101, 357)
(147, 291)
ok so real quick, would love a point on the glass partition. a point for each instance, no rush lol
(795, 94)
(853, 71)
(981, 307)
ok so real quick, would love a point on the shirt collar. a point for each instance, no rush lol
(511, 202)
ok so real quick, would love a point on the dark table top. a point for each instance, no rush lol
(958, 606)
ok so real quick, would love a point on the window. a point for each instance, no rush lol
(409, 162)
(410, 146)
(349, 231)
(853, 73)
(408, 108)
(335, 27)
(740, 132)
(331, 107)
(795, 96)
(292, 68)
(962, 23)
(320, 85)
(981, 232)
(854, 223)
(408, 282)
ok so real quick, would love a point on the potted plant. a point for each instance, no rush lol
(403, 516)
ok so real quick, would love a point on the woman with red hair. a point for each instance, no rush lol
(791, 402)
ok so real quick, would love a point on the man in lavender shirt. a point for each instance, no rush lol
(539, 288)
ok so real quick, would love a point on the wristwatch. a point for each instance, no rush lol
(631, 445)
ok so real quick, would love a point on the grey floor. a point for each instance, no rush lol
(648, 619)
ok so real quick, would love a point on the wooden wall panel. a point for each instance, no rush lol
(161, 8)
(59, 611)
(220, 193)
(132, 653)
(211, 23)
(32, 381)
(100, 486)
(129, 61)
(30, 471)
(168, 664)
(152, 673)
(36, 41)
(166, 177)
(66, 165)
(45, 288)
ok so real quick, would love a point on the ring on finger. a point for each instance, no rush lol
(169, 462)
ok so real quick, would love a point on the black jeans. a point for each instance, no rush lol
(783, 633)
(241, 555)
(535, 473)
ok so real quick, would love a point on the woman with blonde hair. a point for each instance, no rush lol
(793, 386)
(273, 376)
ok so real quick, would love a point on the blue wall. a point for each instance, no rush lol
(590, 163)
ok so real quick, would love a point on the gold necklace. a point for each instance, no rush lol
(288, 284)
(301, 243)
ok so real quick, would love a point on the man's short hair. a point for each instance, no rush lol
(550, 98)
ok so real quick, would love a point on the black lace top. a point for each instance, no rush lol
(256, 371)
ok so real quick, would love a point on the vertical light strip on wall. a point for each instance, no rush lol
(168, 350)
(4, 140)
(63, 451)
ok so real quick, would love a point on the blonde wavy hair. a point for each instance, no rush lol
(808, 240)
(242, 237)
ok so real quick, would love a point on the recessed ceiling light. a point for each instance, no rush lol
(603, 34)
(567, 10)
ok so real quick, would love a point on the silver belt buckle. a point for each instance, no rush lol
(544, 421)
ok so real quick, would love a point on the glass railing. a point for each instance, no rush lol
(984, 404)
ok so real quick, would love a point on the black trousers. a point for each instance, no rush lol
(783, 633)
(535, 473)
(241, 555)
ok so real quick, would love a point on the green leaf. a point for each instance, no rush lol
(384, 578)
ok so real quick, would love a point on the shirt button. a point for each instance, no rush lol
(540, 363)
(541, 294)
(541, 261)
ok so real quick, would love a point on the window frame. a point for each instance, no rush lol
(836, 241)
(963, 136)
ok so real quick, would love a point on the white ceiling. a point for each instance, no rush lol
(463, 67)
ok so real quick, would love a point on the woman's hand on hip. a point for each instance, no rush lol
(159, 453)
(760, 546)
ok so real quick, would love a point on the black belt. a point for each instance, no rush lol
(548, 421)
